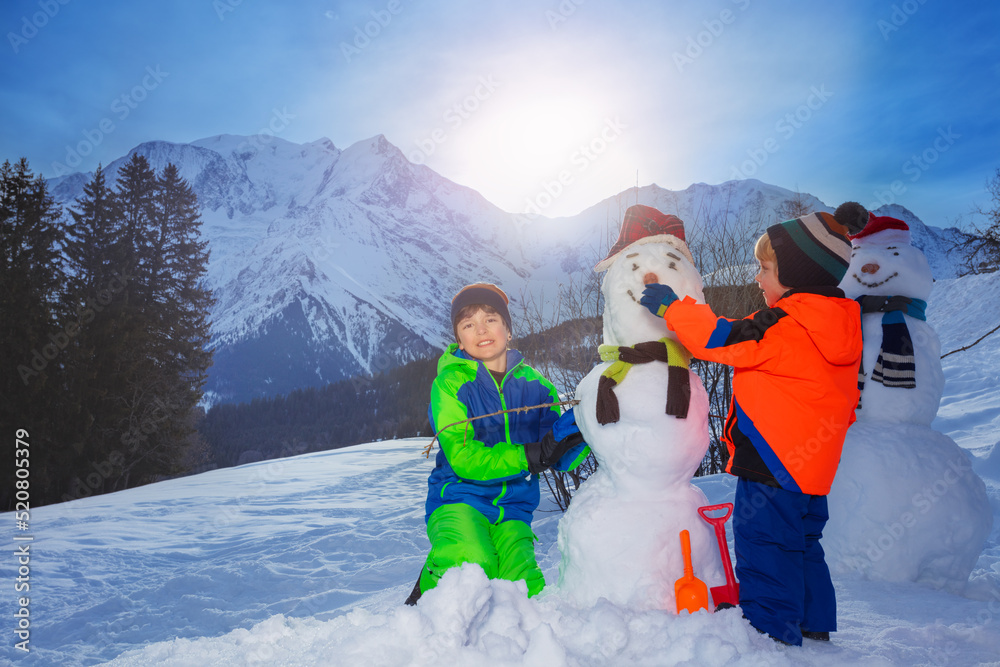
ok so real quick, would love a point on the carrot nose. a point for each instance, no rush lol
(870, 268)
(650, 278)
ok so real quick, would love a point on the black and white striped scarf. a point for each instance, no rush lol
(896, 365)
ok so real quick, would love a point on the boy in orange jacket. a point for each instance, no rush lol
(795, 387)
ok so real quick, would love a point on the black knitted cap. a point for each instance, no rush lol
(481, 293)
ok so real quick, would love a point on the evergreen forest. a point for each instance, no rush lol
(105, 333)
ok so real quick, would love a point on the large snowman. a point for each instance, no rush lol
(905, 504)
(645, 416)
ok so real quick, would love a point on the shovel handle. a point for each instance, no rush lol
(686, 554)
(716, 520)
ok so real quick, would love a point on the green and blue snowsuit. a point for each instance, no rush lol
(480, 496)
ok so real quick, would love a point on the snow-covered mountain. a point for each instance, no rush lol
(326, 264)
(329, 263)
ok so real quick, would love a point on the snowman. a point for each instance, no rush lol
(905, 504)
(891, 280)
(645, 416)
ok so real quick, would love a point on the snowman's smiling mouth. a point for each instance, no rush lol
(876, 284)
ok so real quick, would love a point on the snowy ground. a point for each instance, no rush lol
(307, 560)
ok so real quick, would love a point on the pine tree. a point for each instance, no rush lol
(175, 314)
(99, 259)
(140, 377)
(32, 278)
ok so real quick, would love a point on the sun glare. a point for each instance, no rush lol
(537, 134)
(520, 141)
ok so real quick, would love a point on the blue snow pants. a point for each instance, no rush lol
(785, 584)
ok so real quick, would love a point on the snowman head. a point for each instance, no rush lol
(650, 249)
(885, 263)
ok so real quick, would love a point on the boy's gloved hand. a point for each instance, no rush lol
(657, 298)
(544, 454)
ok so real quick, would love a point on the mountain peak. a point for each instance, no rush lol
(380, 146)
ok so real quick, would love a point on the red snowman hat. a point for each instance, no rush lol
(645, 224)
(890, 230)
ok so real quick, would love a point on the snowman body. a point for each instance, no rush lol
(905, 504)
(620, 537)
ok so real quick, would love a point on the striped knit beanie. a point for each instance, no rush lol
(811, 251)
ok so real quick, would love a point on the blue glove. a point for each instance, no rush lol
(657, 298)
(565, 425)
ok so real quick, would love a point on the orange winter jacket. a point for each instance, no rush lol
(795, 383)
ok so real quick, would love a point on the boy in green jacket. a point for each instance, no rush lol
(484, 486)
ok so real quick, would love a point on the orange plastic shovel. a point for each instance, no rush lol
(691, 592)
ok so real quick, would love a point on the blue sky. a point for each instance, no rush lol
(554, 104)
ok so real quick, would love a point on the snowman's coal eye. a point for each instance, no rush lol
(635, 267)
(673, 265)
(895, 253)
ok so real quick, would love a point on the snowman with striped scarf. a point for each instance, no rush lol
(645, 416)
(905, 504)
(900, 377)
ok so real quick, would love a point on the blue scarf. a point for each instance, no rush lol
(896, 365)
